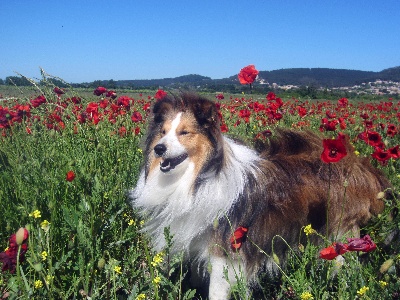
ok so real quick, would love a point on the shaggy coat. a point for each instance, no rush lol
(203, 185)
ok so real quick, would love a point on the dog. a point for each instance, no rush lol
(210, 190)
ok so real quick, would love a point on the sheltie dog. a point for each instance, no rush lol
(204, 186)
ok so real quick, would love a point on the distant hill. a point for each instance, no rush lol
(192, 79)
(320, 77)
(302, 77)
(324, 77)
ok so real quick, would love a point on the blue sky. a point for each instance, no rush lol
(88, 40)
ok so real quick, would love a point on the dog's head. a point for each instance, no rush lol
(183, 130)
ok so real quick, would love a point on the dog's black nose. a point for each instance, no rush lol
(160, 149)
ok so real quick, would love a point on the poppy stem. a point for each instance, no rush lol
(328, 202)
(342, 212)
(18, 270)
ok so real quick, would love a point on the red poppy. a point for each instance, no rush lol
(103, 103)
(137, 130)
(328, 125)
(381, 155)
(343, 102)
(124, 101)
(136, 117)
(238, 237)
(330, 115)
(244, 114)
(271, 96)
(248, 74)
(220, 96)
(277, 116)
(70, 176)
(160, 94)
(224, 128)
(334, 150)
(38, 101)
(58, 91)
(373, 138)
(394, 152)
(99, 91)
(302, 111)
(111, 94)
(9, 256)
(391, 130)
(92, 108)
(146, 107)
(328, 253)
(75, 100)
(122, 131)
(341, 248)
(364, 244)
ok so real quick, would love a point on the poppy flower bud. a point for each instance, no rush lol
(70, 176)
(386, 265)
(380, 195)
(275, 258)
(38, 267)
(21, 235)
(101, 263)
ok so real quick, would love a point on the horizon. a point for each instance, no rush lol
(84, 42)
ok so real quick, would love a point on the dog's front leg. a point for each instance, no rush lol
(224, 274)
(219, 285)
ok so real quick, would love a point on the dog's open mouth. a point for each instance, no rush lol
(170, 163)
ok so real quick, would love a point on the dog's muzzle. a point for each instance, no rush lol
(168, 163)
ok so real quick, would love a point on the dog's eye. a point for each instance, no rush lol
(183, 132)
(163, 131)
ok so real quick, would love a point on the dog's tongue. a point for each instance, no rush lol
(170, 163)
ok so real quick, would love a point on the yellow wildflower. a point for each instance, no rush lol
(141, 297)
(117, 269)
(309, 230)
(357, 153)
(44, 255)
(306, 296)
(38, 284)
(131, 222)
(35, 214)
(158, 259)
(45, 225)
(49, 278)
(383, 284)
(157, 280)
(363, 291)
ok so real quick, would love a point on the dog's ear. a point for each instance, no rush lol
(206, 113)
(160, 109)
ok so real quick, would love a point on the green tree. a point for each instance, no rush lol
(17, 80)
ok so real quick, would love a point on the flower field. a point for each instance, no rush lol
(67, 162)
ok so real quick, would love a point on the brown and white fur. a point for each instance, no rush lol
(203, 185)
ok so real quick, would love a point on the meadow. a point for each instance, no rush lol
(68, 159)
